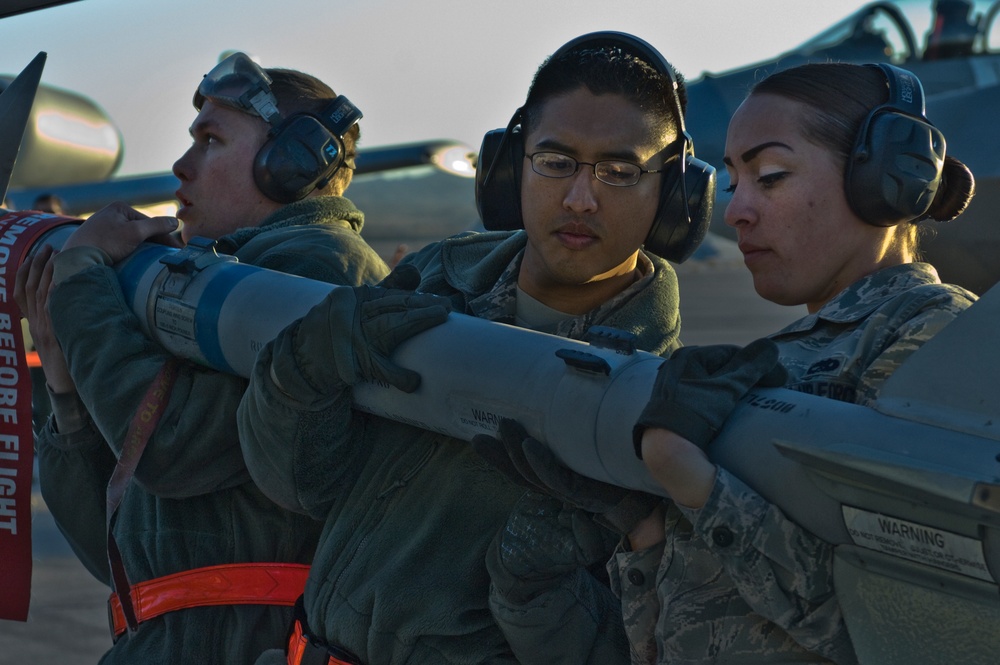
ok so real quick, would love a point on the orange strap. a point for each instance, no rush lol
(227, 584)
(144, 422)
(300, 645)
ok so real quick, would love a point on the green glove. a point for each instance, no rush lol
(360, 327)
(530, 463)
(697, 388)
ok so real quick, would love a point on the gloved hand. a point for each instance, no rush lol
(697, 388)
(530, 463)
(405, 277)
(543, 539)
(360, 327)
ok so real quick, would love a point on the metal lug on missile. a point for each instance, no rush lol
(987, 495)
(584, 361)
(604, 337)
(184, 264)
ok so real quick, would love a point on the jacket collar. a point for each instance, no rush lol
(866, 295)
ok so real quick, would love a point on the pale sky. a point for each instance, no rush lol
(418, 70)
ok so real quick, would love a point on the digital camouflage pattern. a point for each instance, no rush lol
(737, 581)
(487, 289)
(631, 578)
(847, 349)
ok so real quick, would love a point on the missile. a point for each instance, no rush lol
(582, 398)
(908, 491)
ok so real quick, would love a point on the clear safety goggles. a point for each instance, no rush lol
(240, 83)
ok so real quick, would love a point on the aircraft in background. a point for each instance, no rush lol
(412, 193)
(14, 7)
(417, 193)
(908, 491)
(958, 62)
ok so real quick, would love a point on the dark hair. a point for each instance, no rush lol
(841, 95)
(605, 70)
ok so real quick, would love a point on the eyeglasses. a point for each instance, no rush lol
(239, 83)
(609, 171)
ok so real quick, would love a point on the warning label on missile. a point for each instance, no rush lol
(917, 542)
(174, 316)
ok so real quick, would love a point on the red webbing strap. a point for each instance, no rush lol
(226, 584)
(19, 231)
(301, 647)
(147, 415)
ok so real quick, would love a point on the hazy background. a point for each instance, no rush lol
(418, 70)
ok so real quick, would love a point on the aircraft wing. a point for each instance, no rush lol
(411, 194)
(450, 157)
(13, 7)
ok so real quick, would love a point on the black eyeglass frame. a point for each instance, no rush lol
(594, 165)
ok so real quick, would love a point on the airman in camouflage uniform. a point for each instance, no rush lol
(734, 581)
(847, 350)
(727, 565)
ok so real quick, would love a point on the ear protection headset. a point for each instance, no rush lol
(301, 152)
(894, 169)
(686, 195)
(304, 151)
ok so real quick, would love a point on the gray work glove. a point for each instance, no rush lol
(530, 463)
(697, 388)
(360, 327)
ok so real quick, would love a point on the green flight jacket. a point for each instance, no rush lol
(399, 575)
(192, 502)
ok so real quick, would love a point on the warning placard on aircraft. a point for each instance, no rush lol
(917, 542)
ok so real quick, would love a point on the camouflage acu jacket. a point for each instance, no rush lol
(848, 348)
(737, 582)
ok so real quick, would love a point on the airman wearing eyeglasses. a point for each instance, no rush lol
(403, 572)
(213, 566)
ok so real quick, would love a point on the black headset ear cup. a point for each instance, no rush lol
(299, 156)
(895, 169)
(498, 180)
(670, 237)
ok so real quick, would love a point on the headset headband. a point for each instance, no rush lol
(906, 94)
(895, 168)
(641, 48)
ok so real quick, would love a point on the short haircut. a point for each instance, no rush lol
(611, 69)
